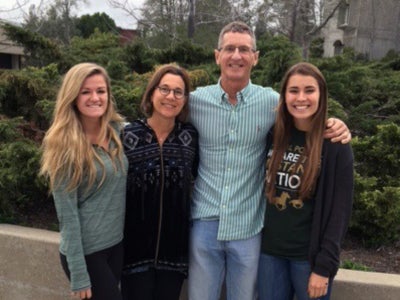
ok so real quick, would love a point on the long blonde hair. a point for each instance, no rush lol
(284, 125)
(67, 154)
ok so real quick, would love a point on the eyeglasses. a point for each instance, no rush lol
(244, 50)
(178, 93)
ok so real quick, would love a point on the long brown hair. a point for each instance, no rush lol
(284, 125)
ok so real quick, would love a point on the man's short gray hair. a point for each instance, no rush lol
(236, 26)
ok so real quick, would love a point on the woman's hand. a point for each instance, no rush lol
(317, 285)
(337, 131)
(85, 294)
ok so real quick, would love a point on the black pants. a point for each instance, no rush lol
(152, 285)
(104, 268)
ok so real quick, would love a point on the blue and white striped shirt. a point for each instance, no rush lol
(232, 141)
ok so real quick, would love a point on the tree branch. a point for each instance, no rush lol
(322, 25)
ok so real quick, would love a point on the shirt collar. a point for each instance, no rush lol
(242, 95)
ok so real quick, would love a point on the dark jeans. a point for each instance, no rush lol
(282, 279)
(104, 269)
(152, 285)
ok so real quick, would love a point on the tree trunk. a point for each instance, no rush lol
(192, 11)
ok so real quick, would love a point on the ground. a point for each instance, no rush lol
(384, 259)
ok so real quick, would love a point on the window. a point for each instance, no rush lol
(343, 15)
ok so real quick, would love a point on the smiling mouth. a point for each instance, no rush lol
(301, 107)
(168, 105)
(237, 66)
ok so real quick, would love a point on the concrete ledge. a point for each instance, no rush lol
(30, 270)
(30, 265)
(356, 285)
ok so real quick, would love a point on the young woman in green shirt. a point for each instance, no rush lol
(84, 160)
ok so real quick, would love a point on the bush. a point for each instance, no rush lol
(277, 54)
(376, 210)
(376, 216)
(20, 188)
(139, 57)
(116, 69)
(99, 48)
(379, 155)
(128, 101)
(335, 109)
(187, 54)
(317, 48)
(199, 78)
(351, 265)
(21, 90)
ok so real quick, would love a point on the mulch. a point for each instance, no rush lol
(385, 259)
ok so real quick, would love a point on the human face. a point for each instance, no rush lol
(92, 99)
(236, 66)
(302, 99)
(168, 106)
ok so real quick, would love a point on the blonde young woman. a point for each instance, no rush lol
(309, 187)
(84, 160)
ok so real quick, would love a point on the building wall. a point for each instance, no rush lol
(331, 34)
(10, 54)
(372, 28)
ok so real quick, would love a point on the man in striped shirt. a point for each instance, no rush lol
(233, 118)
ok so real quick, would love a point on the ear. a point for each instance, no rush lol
(217, 54)
(256, 55)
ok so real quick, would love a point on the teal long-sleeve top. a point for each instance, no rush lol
(91, 220)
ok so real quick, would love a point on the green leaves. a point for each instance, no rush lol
(20, 188)
(376, 211)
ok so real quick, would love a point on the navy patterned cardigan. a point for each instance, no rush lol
(158, 197)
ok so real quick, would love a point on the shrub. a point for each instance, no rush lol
(376, 210)
(127, 97)
(376, 216)
(187, 54)
(21, 90)
(317, 48)
(20, 188)
(199, 78)
(277, 54)
(139, 57)
(351, 265)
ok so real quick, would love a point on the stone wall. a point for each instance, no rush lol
(30, 270)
